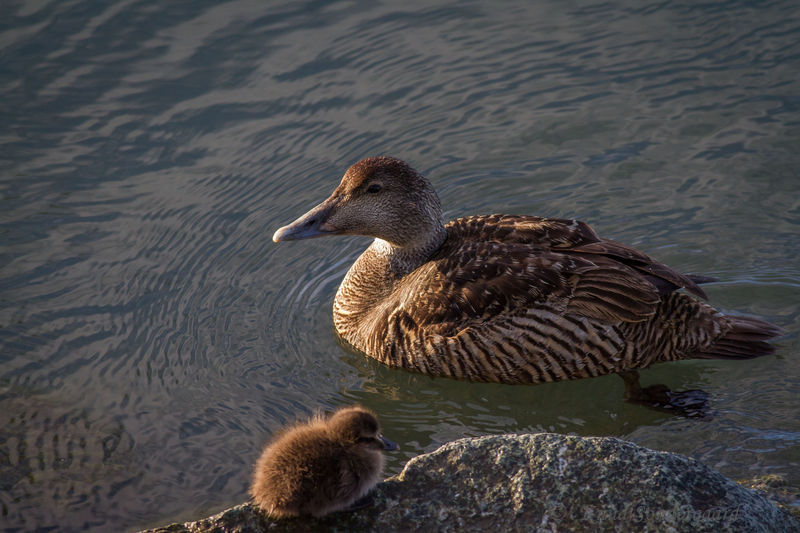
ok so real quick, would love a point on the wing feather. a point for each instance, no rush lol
(498, 265)
(643, 263)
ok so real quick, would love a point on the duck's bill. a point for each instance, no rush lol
(387, 444)
(312, 224)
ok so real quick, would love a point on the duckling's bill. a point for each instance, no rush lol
(388, 445)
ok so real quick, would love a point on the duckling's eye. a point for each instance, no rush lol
(375, 187)
(364, 440)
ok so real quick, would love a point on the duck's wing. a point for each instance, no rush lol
(520, 263)
(483, 281)
(574, 237)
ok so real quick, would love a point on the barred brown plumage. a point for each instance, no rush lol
(507, 298)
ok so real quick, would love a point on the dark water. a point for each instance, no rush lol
(151, 334)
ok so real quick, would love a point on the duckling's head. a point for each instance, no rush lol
(379, 197)
(356, 426)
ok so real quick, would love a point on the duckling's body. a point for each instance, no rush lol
(322, 466)
(510, 299)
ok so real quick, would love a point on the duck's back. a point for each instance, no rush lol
(522, 299)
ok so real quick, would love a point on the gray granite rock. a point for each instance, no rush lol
(542, 482)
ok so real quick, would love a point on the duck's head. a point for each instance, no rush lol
(378, 197)
(358, 426)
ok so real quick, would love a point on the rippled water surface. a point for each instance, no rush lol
(151, 334)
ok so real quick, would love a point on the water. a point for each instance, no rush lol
(152, 336)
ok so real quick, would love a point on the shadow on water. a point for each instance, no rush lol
(454, 409)
(151, 335)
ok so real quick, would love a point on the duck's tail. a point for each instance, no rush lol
(745, 340)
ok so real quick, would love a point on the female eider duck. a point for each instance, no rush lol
(508, 299)
(321, 466)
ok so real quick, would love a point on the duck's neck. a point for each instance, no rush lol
(400, 260)
(373, 277)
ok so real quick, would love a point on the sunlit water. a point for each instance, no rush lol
(151, 334)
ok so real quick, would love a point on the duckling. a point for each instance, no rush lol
(321, 466)
(505, 298)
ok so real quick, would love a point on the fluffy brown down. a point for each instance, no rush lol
(320, 466)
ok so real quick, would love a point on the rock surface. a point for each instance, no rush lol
(541, 482)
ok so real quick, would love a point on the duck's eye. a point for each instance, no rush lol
(375, 187)
(364, 440)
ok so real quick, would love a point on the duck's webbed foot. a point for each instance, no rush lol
(686, 403)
